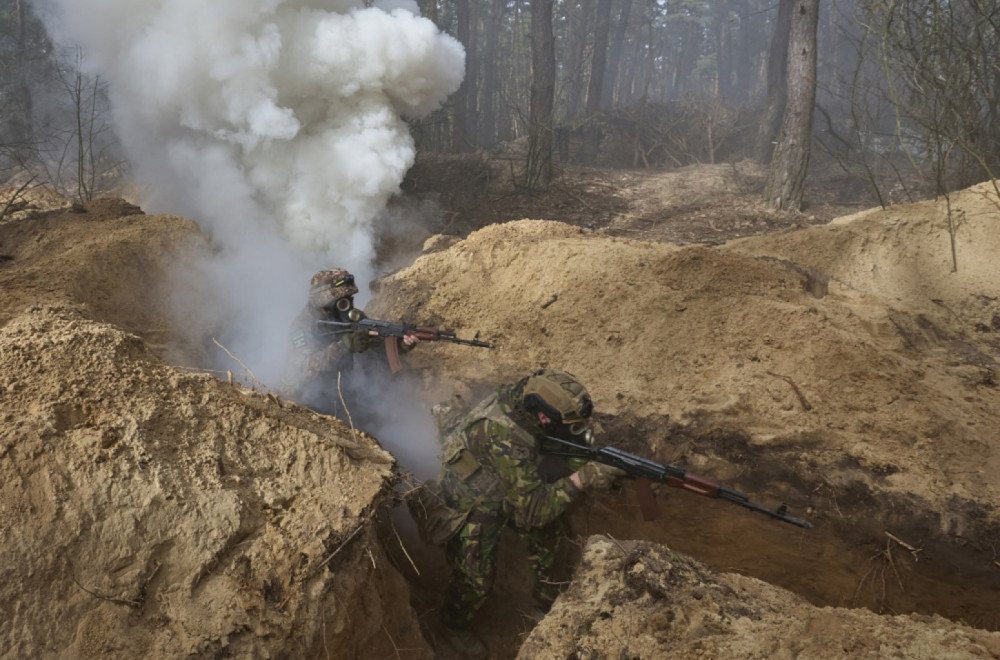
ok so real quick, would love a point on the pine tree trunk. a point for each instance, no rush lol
(787, 173)
(598, 63)
(538, 168)
(777, 83)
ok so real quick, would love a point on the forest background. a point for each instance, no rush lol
(902, 96)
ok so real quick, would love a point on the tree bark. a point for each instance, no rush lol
(576, 65)
(777, 83)
(538, 168)
(24, 89)
(598, 64)
(723, 51)
(613, 74)
(488, 97)
(429, 10)
(787, 173)
(463, 129)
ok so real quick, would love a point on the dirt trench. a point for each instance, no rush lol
(890, 553)
(866, 549)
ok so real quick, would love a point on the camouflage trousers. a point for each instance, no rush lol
(472, 555)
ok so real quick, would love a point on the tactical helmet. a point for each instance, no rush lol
(560, 396)
(329, 286)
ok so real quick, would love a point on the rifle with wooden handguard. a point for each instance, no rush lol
(646, 471)
(390, 331)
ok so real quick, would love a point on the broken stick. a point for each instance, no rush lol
(913, 550)
(802, 399)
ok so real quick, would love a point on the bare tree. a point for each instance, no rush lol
(23, 48)
(617, 46)
(787, 172)
(76, 151)
(598, 62)
(463, 128)
(945, 84)
(777, 83)
(22, 71)
(723, 49)
(491, 78)
(575, 65)
(538, 168)
(689, 19)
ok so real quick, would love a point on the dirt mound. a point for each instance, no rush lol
(761, 364)
(880, 370)
(154, 512)
(634, 599)
(107, 256)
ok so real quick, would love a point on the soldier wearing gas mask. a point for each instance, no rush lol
(322, 363)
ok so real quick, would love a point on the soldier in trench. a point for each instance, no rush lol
(334, 372)
(493, 477)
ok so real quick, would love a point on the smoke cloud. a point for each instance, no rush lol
(278, 125)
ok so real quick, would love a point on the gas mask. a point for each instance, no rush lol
(343, 310)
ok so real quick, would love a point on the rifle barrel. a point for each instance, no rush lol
(393, 329)
(638, 467)
(743, 500)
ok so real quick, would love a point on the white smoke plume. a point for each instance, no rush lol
(278, 125)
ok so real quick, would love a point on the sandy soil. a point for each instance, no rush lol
(843, 367)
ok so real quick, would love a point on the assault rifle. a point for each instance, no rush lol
(645, 471)
(391, 331)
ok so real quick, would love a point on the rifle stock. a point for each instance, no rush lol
(645, 471)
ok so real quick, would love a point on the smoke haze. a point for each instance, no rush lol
(276, 124)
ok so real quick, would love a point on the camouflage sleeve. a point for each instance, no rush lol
(310, 357)
(324, 360)
(533, 502)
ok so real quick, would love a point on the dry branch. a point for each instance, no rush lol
(913, 550)
(337, 550)
(111, 599)
(802, 399)
(257, 383)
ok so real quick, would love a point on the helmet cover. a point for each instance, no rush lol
(329, 286)
(559, 395)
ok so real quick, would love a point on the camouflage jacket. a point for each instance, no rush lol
(313, 352)
(316, 356)
(492, 466)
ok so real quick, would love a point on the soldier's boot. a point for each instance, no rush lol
(466, 643)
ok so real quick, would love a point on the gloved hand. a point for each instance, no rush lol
(596, 475)
(360, 341)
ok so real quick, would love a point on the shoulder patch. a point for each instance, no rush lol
(519, 452)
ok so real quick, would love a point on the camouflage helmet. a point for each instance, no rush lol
(329, 286)
(560, 396)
